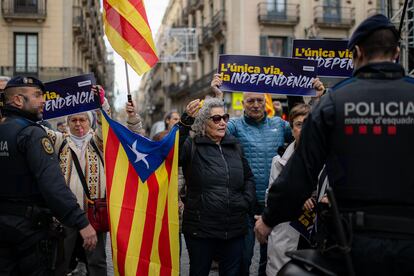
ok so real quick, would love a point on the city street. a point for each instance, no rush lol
(185, 264)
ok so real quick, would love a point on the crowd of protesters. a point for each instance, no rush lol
(227, 165)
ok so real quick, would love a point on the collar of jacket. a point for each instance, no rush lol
(252, 121)
(11, 111)
(380, 70)
(227, 140)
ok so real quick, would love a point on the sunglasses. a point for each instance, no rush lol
(217, 118)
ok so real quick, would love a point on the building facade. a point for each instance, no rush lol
(54, 39)
(250, 27)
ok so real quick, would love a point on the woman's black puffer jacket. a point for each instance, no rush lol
(220, 188)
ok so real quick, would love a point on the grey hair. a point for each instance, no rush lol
(204, 114)
(4, 78)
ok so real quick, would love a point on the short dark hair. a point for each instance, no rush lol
(383, 43)
(298, 110)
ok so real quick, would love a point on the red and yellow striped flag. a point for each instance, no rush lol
(128, 31)
(270, 110)
(142, 194)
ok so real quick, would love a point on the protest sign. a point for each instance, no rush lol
(304, 224)
(277, 75)
(332, 56)
(236, 102)
(68, 96)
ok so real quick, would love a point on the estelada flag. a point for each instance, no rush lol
(270, 110)
(128, 31)
(142, 195)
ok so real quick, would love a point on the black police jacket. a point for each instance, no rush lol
(364, 131)
(30, 172)
(220, 188)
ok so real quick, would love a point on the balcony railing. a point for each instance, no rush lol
(77, 22)
(278, 14)
(334, 16)
(196, 4)
(218, 22)
(43, 73)
(385, 12)
(207, 35)
(202, 83)
(175, 90)
(12, 10)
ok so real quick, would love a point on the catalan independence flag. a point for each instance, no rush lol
(128, 31)
(142, 195)
(269, 105)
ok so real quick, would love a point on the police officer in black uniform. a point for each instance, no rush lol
(364, 131)
(32, 188)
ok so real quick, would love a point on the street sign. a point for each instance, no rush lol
(178, 45)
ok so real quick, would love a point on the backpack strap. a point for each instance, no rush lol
(80, 173)
(64, 143)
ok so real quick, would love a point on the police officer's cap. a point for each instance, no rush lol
(368, 26)
(21, 81)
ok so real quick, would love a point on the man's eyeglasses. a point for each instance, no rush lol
(252, 100)
(217, 118)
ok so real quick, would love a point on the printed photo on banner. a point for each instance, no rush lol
(276, 75)
(332, 56)
(68, 96)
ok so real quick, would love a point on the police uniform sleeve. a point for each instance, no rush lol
(43, 164)
(299, 177)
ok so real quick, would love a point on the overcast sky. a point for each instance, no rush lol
(155, 11)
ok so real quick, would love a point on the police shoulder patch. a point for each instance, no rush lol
(47, 145)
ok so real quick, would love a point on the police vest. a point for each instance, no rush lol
(372, 149)
(17, 181)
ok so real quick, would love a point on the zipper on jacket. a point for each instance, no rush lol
(227, 189)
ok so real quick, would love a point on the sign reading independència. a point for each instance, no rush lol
(332, 56)
(68, 96)
(277, 75)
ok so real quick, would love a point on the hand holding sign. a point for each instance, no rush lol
(215, 84)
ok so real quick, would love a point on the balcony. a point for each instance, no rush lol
(177, 90)
(218, 23)
(334, 17)
(276, 14)
(77, 22)
(12, 10)
(202, 84)
(43, 73)
(207, 35)
(385, 12)
(196, 4)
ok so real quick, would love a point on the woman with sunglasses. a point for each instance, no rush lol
(220, 190)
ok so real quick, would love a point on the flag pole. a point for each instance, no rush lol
(127, 79)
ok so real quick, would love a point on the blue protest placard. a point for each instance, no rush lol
(333, 57)
(68, 96)
(277, 75)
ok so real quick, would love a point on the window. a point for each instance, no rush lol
(276, 6)
(222, 49)
(332, 10)
(25, 6)
(25, 53)
(273, 46)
